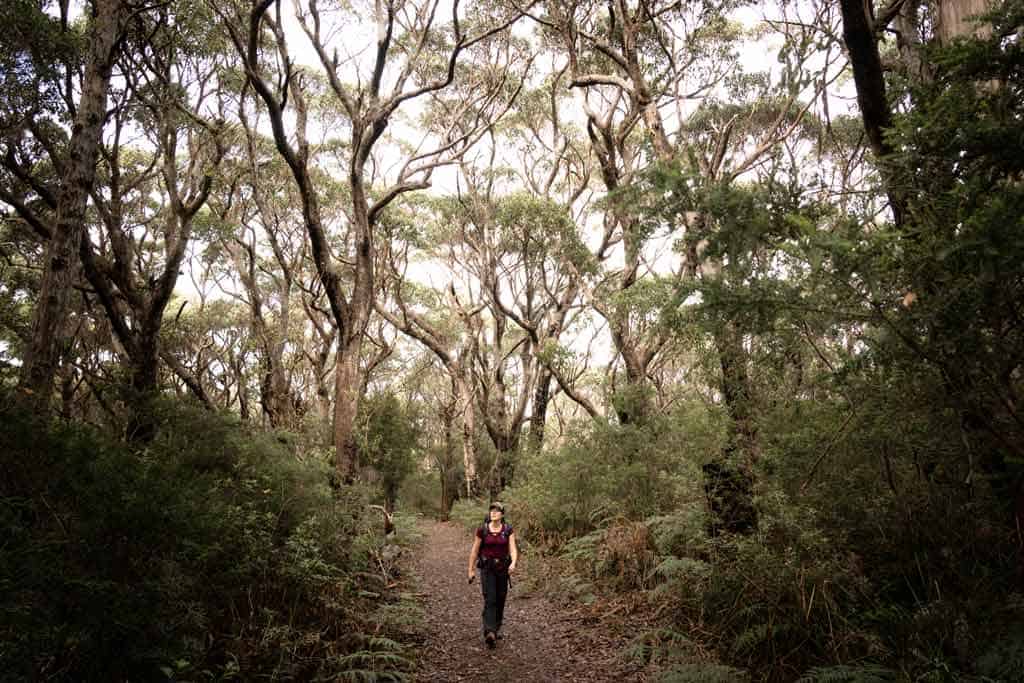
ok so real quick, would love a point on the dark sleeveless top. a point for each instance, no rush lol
(494, 545)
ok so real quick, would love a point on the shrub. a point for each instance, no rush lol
(605, 472)
(213, 549)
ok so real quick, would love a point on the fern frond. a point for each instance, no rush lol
(1004, 660)
(842, 673)
(703, 673)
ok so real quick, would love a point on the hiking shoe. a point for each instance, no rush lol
(490, 639)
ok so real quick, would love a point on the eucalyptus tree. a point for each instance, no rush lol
(413, 57)
(611, 121)
(66, 137)
(541, 259)
(209, 348)
(664, 77)
(149, 200)
(524, 257)
(442, 323)
(259, 230)
(503, 364)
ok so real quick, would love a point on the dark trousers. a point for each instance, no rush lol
(495, 589)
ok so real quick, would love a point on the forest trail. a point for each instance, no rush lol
(542, 642)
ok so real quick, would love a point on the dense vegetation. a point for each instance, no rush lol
(747, 358)
(211, 554)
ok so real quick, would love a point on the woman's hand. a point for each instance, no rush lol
(512, 568)
(472, 575)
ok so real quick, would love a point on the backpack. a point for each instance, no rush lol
(506, 529)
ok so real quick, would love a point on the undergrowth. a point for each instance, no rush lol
(842, 581)
(212, 553)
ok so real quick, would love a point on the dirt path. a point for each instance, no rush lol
(541, 641)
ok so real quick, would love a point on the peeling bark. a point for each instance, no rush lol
(60, 266)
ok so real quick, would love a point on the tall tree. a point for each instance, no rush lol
(405, 33)
(63, 225)
(449, 340)
(173, 96)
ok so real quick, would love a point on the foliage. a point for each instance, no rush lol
(703, 673)
(388, 438)
(874, 362)
(420, 491)
(213, 552)
(612, 471)
(470, 514)
(1004, 658)
(852, 674)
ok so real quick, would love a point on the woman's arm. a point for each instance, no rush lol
(513, 550)
(471, 571)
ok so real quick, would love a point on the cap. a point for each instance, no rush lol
(496, 506)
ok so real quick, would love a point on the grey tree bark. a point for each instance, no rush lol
(60, 267)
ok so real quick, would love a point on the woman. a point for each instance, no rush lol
(495, 554)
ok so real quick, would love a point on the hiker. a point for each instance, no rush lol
(495, 554)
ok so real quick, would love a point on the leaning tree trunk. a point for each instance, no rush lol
(60, 266)
(869, 80)
(539, 415)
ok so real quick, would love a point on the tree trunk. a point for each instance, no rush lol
(955, 19)
(728, 484)
(67, 390)
(346, 401)
(738, 395)
(191, 380)
(243, 390)
(468, 434)
(143, 390)
(538, 418)
(60, 266)
(274, 394)
(862, 45)
(631, 404)
(446, 461)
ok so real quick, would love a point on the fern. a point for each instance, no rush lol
(864, 673)
(584, 548)
(703, 673)
(681, 568)
(1004, 660)
(378, 662)
(753, 636)
(662, 644)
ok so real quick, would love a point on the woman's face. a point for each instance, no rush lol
(496, 515)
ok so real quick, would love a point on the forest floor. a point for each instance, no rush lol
(545, 637)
